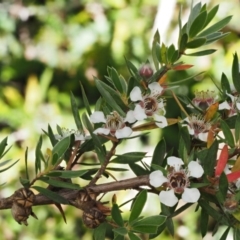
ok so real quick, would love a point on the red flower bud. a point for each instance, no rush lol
(146, 71)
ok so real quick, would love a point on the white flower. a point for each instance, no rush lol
(233, 106)
(149, 105)
(66, 132)
(177, 182)
(114, 124)
(198, 127)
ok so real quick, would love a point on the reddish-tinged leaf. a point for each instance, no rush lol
(233, 176)
(210, 138)
(162, 80)
(182, 67)
(222, 161)
(211, 111)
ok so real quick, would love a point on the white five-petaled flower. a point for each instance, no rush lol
(198, 126)
(66, 132)
(149, 105)
(177, 182)
(114, 124)
(233, 106)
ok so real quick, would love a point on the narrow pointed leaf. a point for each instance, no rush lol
(222, 161)
(196, 43)
(235, 73)
(138, 205)
(3, 145)
(85, 100)
(76, 113)
(201, 53)
(198, 24)
(159, 153)
(116, 215)
(227, 133)
(215, 27)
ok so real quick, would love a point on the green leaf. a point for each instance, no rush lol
(225, 84)
(5, 169)
(198, 24)
(170, 52)
(170, 226)
(149, 229)
(121, 231)
(195, 11)
(236, 234)
(100, 232)
(130, 157)
(130, 86)
(209, 161)
(235, 73)
(85, 100)
(223, 186)
(26, 163)
(59, 183)
(182, 151)
(51, 195)
(117, 80)
(25, 182)
(204, 222)
(138, 170)
(183, 43)
(186, 138)
(116, 215)
(118, 237)
(38, 156)
(112, 97)
(210, 210)
(76, 113)
(196, 43)
(138, 205)
(227, 133)
(201, 53)
(133, 71)
(156, 40)
(3, 145)
(215, 27)
(215, 36)
(159, 153)
(237, 129)
(212, 13)
(225, 234)
(156, 220)
(133, 236)
(66, 173)
(59, 149)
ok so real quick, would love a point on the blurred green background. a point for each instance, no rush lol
(47, 47)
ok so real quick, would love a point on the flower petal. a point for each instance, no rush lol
(97, 117)
(104, 131)
(203, 136)
(156, 178)
(123, 132)
(136, 94)
(130, 117)
(160, 121)
(224, 105)
(231, 96)
(155, 88)
(173, 161)
(190, 195)
(195, 169)
(168, 198)
(139, 113)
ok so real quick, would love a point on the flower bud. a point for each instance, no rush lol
(146, 71)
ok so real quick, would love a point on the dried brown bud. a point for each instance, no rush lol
(146, 71)
(93, 217)
(23, 200)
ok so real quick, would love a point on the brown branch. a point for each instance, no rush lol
(70, 195)
(104, 165)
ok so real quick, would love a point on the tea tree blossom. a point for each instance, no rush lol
(114, 124)
(177, 182)
(233, 107)
(203, 99)
(150, 104)
(198, 126)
